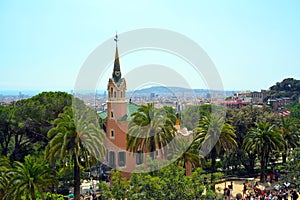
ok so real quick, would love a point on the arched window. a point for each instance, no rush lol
(111, 92)
(111, 114)
(115, 94)
(112, 133)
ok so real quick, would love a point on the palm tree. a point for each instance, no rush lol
(290, 134)
(76, 137)
(5, 167)
(29, 179)
(188, 154)
(150, 129)
(263, 139)
(211, 131)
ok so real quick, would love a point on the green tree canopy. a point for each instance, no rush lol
(76, 137)
(168, 183)
(212, 132)
(243, 120)
(150, 129)
(289, 87)
(263, 139)
(24, 124)
(28, 179)
(289, 129)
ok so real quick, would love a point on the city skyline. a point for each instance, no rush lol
(44, 44)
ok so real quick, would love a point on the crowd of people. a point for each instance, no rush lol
(283, 194)
(256, 193)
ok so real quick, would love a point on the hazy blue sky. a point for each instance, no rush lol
(43, 44)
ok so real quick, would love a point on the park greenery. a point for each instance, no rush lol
(47, 143)
(289, 87)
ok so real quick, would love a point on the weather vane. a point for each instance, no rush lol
(116, 38)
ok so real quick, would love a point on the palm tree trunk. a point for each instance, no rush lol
(263, 169)
(250, 163)
(152, 149)
(284, 155)
(213, 167)
(213, 159)
(32, 194)
(266, 163)
(76, 180)
(267, 160)
(54, 174)
(188, 168)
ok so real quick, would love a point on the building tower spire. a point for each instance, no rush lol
(117, 71)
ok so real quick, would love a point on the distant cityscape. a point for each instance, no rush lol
(175, 97)
(161, 96)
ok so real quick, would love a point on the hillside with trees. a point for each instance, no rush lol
(289, 87)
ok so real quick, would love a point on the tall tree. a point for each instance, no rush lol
(243, 120)
(263, 139)
(150, 129)
(26, 122)
(290, 134)
(188, 153)
(76, 137)
(212, 129)
(28, 179)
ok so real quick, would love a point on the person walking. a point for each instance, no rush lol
(244, 189)
(271, 177)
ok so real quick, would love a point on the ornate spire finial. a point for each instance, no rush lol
(116, 39)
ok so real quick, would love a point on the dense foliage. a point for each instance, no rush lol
(150, 129)
(167, 183)
(28, 180)
(44, 143)
(24, 124)
(289, 87)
